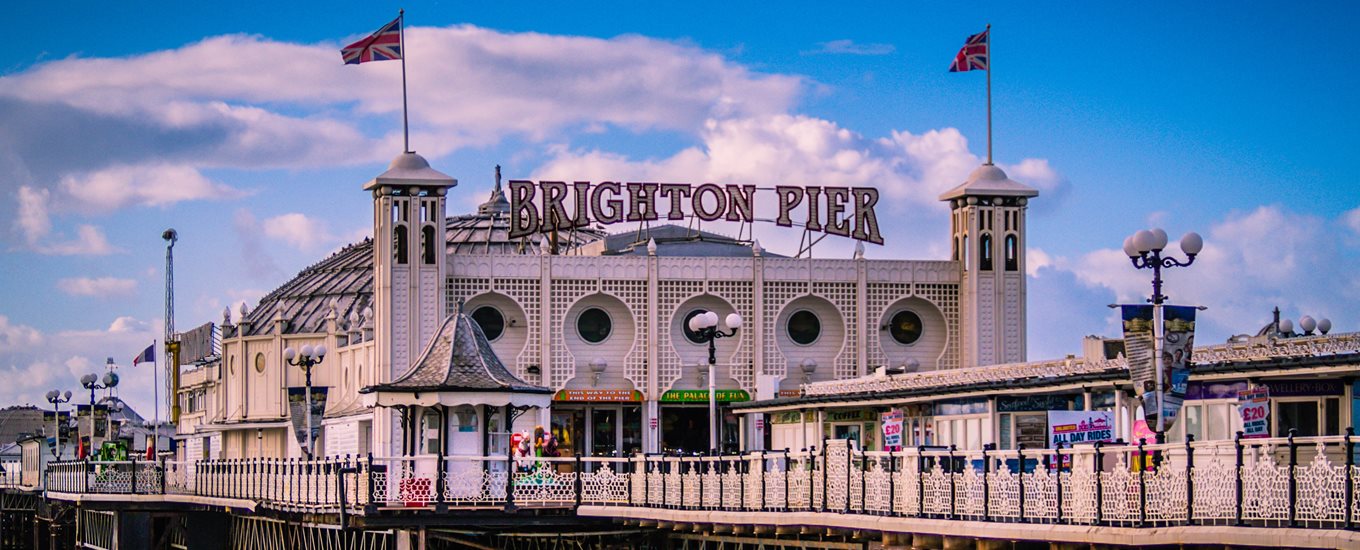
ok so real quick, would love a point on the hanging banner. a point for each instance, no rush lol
(892, 429)
(1140, 350)
(1178, 341)
(1072, 427)
(297, 411)
(1254, 405)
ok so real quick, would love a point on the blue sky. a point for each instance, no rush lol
(236, 124)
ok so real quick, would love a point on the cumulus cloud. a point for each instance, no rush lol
(1351, 219)
(148, 185)
(1252, 262)
(256, 260)
(910, 170)
(102, 287)
(29, 368)
(299, 230)
(850, 47)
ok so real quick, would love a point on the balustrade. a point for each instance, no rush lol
(1304, 482)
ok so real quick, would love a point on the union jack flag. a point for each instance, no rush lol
(383, 45)
(973, 56)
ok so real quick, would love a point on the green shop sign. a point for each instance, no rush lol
(701, 396)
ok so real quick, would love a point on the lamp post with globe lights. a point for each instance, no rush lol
(309, 358)
(1144, 248)
(56, 398)
(92, 382)
(705, 329)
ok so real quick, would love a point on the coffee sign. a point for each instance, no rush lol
(544, 206)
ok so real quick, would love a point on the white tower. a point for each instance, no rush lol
(987, 224)
(408, 260)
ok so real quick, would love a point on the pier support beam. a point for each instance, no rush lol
(927, 542)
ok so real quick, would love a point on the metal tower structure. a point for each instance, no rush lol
(170, 338)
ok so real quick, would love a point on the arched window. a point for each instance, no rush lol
(1012, 253)
(963, 254)
(399, 244)
(985, 249)
(956, 249)
(427, 244)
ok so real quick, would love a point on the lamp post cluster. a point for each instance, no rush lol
(309, 358)
(56, 398)
(1145, 249)
(705, 328)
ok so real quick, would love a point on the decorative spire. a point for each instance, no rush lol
(497, 204)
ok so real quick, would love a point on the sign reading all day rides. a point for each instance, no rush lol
(1071, 427)
(1254, 405)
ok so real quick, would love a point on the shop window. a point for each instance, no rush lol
(1299, 415)
(804, 328)
(1332, 417)
(594, 325)
(1012, 253)
(431, 431)
(985, 249)
(905, 327)
(490, 320)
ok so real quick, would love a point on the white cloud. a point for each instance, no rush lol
(102, 287)
(29, 370)
(128, 324)
(1351, 219)
(14, 337)
(145, 185)
(34, 226)
(31, 219)
(910, 170)
(299, 230)
(851, 47)
(1251, 262)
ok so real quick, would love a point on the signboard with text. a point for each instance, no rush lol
(595, 396)
(892, 430)
(1254, 406)
(1073, 427)
(701, 396)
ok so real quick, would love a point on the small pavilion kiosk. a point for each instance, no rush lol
(457, 404)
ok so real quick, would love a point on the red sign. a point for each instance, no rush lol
(597, 395)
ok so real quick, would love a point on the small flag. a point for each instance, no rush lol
(147, 355)
(383, 45)
(974, 54)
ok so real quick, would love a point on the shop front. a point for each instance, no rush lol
(597, 422)
(685, 423)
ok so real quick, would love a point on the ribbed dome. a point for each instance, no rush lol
(488, 231)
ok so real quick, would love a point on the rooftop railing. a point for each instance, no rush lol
(1280, 482)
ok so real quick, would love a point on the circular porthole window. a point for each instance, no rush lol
(690, 335)
(905, 327)
(259, 362)
(804, 327)
(490, 320)
(594, 325)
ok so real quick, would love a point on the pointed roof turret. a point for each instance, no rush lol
(497, 204)
(989, 180)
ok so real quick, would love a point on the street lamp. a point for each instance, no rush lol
(310, 357)
(1144, 249)
(91, 382)
(56, 398)
(705, 329)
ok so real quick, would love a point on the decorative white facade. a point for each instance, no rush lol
(602, 322)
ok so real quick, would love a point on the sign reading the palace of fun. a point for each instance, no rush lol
(555, 205)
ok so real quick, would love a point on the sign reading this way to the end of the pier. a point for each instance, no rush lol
(843, 211)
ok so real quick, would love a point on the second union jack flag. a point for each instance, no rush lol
(383, 45)
(973, 56)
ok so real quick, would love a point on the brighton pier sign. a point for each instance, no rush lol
(545, 206)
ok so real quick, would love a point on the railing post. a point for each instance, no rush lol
(762, 481)
(369, 460)
(1142, 483)
(440, 468)
(1020, 479)
(1350, 477)
(681, 463)
(509, 480)
(952, 488)
(986, 483)
(812, 467)
(920, 482)
(579, 484)
(1057, 478)
(892, 484)
(788, 473)
(716, 466)
(1237, 442)
(164, 474)
(1293, 480)
(133, 489)
(863, 478)
(1189, 479)
(1100, 483)
(86, 471)
(826, 475)
(632, 477)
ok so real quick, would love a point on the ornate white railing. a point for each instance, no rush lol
(11, 473)
(1305, 482)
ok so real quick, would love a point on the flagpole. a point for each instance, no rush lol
(989, 91)
(405, 123)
